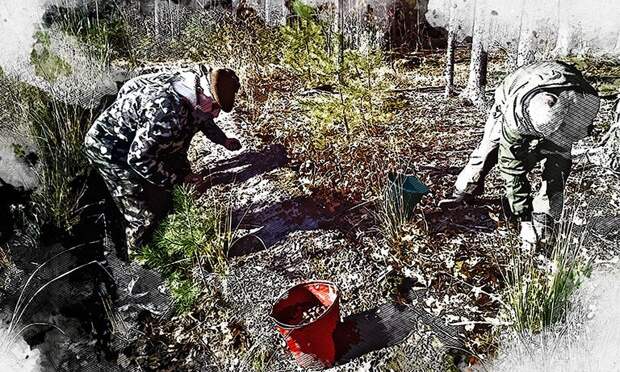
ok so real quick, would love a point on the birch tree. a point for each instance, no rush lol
(450, 52)
(525, 44)
(474, 91)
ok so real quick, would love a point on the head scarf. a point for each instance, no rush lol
(194, 88)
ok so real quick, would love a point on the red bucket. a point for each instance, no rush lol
(307, 315)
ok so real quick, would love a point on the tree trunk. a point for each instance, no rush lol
(526, 54)
(340, 16)
(474, 91)
(565, 35)
(449, 72)
(524, 43)
(156, 18)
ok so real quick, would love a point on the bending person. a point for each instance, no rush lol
(540, 111)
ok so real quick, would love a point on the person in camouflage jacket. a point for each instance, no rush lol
(139, 144)
(540, 111)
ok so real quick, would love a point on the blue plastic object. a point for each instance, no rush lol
(406, 189)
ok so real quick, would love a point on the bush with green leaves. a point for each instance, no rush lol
(47, 64)
(191, 237)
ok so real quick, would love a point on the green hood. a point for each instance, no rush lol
(517, 88)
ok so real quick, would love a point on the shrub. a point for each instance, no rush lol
(357, 97)
(185, 292)
(359, 105)
(308, 49)
(214, 36)
(192, 236)
(46, 63)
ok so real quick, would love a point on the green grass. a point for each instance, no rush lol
(104, 38)
(58, 131)
(391, 215)
(539, 295)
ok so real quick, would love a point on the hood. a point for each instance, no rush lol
(518, 88)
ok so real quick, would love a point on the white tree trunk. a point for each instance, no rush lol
(449, 71)
(525, 47)
(479, 59)
(156, 18)
(527, 52)
(526, 39)
(563, 44)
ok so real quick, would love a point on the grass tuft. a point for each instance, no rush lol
(392, 217)
(540, 289)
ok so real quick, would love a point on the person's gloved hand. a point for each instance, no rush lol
(232, 144)
(529, 236)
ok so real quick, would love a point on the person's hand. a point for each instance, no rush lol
(232, 144)
(529, 237)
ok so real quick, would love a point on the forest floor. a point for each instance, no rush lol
(428, 300)
(419, 306)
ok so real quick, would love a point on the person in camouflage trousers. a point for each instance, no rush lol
(540, 111)
(139, 144)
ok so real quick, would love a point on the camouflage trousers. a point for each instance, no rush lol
(141, 204)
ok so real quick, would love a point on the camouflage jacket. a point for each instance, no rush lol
(149, 128)
(521, 146)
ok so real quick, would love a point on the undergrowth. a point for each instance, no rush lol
(353, 88)
(102, 30)
(57, 130)
(539, 289)
(191, 237)
(47, 64)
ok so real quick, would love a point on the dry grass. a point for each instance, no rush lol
(539, 288)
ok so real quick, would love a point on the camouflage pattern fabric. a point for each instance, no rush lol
(511, 139)
(127, 191)
(139, 145)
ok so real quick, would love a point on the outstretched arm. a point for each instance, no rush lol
(214, 133)
(514, 164)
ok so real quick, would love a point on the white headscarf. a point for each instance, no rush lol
(187, 84)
